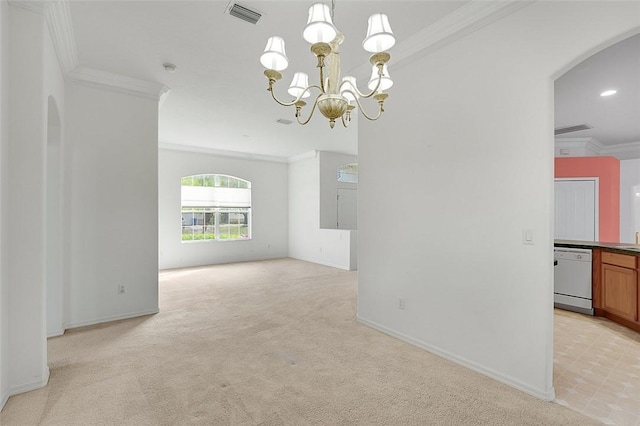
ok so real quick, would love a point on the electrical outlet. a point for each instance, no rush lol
(121, 289)
(401, 303)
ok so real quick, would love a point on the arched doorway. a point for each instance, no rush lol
(591, 355)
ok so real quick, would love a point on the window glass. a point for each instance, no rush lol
(198, 224)
(348, 173)
(215, 207)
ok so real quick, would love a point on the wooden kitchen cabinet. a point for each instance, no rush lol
(616, 287)
(623, 260)
(620, 291)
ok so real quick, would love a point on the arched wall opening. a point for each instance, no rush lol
(582, 366)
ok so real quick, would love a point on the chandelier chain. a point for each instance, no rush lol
(333, 9)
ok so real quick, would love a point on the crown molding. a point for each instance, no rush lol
(461, 22)
(584, 147)
(304, 156)
(220, 152)
(235, 154)
(588, 144)
(90, 77)
(626, 151)
(58, 16)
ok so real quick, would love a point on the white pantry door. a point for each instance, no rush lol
(576, 210)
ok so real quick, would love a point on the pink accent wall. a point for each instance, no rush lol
(607, 169)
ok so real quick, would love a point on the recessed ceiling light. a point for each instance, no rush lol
(609, 92)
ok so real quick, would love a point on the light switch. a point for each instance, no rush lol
(527, 236)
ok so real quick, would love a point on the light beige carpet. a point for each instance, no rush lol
(262, 343)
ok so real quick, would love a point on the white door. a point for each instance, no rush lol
(347, 208)
(576, 210)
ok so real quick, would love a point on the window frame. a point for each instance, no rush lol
(211, 210)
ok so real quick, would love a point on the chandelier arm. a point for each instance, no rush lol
(342, 92)
(360, 94)
(380, 110)
(286, 104)
(345, 123)
(313, 109)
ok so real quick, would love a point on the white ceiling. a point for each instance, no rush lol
(615, 119)
(218, 96)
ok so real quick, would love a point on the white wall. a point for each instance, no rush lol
(55, 208)
(629, 201)
(472, 161)
(331, 247)
(26, 198)
(329, 163)
(113, 143)
(269, 194)
(25, 190)
(53, 280)
(4, 169)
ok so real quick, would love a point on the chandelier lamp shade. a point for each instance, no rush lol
(335, 97)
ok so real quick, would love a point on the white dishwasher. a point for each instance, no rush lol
(572, 280)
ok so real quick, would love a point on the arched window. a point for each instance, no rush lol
(215, 207)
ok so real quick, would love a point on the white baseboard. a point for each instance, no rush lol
(321, 262)
(26, 387)
(55, 333)
(110, 318)
(4, 400)
(167, 266)
(507, 380)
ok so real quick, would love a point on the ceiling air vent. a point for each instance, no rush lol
(284, 121)
(244, 13)
(569, 129)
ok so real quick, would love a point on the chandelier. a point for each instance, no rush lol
(336, 98)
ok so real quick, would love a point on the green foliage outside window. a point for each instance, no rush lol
(196, 237)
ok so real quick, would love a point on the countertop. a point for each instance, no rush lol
(624, 248)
